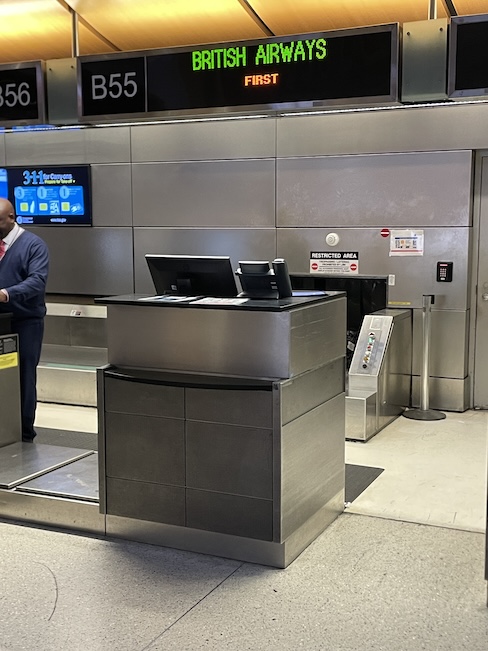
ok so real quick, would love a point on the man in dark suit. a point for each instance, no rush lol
(24, 264)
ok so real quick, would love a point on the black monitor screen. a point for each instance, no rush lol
(42, 195)
(187, 275)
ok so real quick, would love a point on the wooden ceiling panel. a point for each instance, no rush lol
(42, 29)
(467, 7)
(34, 29)
(291, 17)
(90, 43)
(150, 24)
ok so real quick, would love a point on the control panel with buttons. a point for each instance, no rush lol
(444, 272)
(369, 349)
(370, 346)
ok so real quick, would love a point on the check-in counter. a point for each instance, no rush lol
(10, 420)
(221, 425)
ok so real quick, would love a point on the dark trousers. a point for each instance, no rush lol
(30, 333)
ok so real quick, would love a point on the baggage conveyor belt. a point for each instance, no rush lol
(50, 470)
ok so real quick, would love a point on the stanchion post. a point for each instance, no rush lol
(424, 413)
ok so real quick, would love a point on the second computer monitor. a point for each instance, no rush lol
(261, 280)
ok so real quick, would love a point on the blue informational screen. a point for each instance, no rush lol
(50, 195)
(3, 184)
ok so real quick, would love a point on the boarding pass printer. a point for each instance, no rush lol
(380, 375)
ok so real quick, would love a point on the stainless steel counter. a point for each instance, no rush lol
(221, 429)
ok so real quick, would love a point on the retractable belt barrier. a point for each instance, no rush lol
(425, 413)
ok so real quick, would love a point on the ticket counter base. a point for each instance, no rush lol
(278, 555)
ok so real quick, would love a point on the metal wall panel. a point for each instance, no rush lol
(125, 397)
(480, 295)
(144, 448)
(229, 459)
(233, 407)
(112, 195)
(89, 332)
(196, 340)
(402, 129)
(307, 391)
(2, 149)
(77, 146)
(230, 514)
(448, 344)
(66, 385)
(93, 261)
(238, 243)
(224, 139)
(62, 92)
(318, 335)
(424, 60)
(57, 330)
(312, 452)
(412, 276)
(377, 190)
(75, 330)
(445, 393)
(210, 194)
(146, 501)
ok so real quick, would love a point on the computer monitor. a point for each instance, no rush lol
(260, 279)
(191, 275)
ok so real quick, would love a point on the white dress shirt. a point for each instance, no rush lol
(15, 233)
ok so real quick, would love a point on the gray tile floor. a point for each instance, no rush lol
(371, 581)
(366, 583)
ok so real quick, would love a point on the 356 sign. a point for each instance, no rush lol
(12, 94)
(22, 93)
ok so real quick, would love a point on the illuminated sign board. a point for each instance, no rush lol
(468, 56)
(320, 68)
(22, 97)
(345, 66)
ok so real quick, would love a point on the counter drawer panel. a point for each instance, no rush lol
(129, 397)
(145, 448)
(250, 408)
(229, 459)
(230, 514)
(309, 390)
(144, 501)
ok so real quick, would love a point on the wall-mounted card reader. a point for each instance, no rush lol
(444, 272)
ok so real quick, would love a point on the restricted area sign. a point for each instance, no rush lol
(334, 262)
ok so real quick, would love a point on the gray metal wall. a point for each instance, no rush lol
(2, 149)
(261, 187)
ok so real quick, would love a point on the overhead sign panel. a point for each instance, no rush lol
(113, 86)
(345, 66)
(468, 56)
(315, 68)
(22, 96)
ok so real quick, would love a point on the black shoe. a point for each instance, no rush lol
(26, 439)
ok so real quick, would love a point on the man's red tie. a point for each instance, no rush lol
(2, 249)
